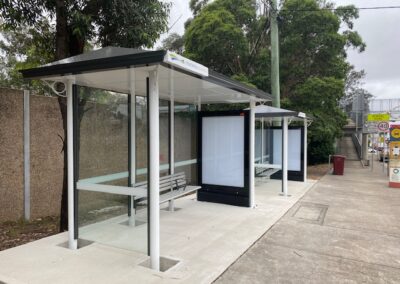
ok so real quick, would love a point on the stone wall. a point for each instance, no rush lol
(46, 155)
(11, 154)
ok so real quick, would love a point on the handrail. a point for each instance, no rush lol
(121, 175)
(357, 144)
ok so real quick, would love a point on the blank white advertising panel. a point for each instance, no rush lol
(294, 148)
(223, 150)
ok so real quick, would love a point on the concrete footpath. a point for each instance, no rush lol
(346, 229)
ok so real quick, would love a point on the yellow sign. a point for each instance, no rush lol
(395, 133)
(378, 117)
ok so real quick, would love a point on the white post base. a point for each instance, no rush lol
(171, 206)
(132, 218)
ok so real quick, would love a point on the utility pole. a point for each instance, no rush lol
(275, 84)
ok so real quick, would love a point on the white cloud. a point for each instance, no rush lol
(381, 59)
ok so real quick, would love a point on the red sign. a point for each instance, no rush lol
(383, 126)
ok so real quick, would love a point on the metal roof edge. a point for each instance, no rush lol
(143, 58)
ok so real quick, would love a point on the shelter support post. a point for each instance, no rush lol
(364, 145)
(285, 156)
(305, 149)
(72, 242)
(251, 153)
(171, 133)
(27, 178)
(132, 159)
(154, 169)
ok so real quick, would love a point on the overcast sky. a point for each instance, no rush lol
(380, 29)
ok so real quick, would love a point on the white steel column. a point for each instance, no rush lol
(285, 156)
(27, 176)
(171, 133)
(154, 166)
(132, 84)
(305, 149)
(72, 243)
(251, 153)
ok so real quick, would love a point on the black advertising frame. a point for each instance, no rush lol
(148, 162)
(239, 196)
(130, 199)
(292, 175)
(75, 146)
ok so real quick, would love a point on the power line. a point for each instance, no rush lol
(341, 9)
(268, 2)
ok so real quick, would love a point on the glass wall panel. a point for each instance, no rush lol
(294, 148)
(164, 138)
(141, 139)
(262, 142)
(103, 192)
(186, 141)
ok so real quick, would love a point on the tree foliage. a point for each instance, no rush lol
(314, 39)
(22, 48)
(77, 25)
(174, 42)
(127, 23)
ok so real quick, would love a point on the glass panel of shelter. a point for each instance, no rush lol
(103, 143)
(103, 168)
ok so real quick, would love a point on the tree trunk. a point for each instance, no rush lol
(61, 30)
(64, 196)
(67, 44)
(62, 52)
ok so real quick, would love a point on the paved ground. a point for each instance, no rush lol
(346, 229)
(206, 238)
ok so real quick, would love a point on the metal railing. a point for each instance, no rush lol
(357, 144)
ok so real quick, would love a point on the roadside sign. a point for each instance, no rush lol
(378, 117)
(370, 127)
(394, 164)
(395, 132)
(383, 126)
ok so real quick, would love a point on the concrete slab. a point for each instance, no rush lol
(358, 240)
(205, 237)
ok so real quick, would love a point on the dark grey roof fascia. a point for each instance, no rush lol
(134, 59)
(93, 62)
(105, 52)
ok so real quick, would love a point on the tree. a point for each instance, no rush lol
(214, 39)
(353, 89)
(319, 97)
(311, 42)
(314, 39)
(174, 42)
(221, 35)
(126, 23)
(22, 48)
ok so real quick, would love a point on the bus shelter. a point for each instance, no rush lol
(131, 138)
(281, 144)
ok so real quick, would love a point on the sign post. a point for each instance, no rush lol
(394, 156)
